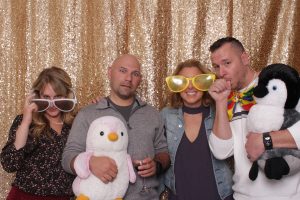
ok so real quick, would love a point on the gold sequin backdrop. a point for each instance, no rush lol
(84, 36)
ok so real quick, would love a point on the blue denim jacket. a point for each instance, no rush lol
(173, 119)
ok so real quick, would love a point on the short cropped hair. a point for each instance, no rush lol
(220, 42)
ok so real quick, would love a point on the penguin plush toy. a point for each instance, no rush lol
(107, 136)
(277, 95)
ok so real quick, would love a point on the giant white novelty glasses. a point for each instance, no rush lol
(63, 104)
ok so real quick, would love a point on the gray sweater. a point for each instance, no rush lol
(146, 138)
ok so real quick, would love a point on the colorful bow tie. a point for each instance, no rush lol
(244, 98)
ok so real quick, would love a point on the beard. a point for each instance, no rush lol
(125, 95)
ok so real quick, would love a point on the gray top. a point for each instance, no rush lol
(146, 138)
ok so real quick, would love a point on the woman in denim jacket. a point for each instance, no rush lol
(188, 123)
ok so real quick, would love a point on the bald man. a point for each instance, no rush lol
(147, 143)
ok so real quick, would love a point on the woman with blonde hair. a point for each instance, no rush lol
(37, 138)
(194, 173)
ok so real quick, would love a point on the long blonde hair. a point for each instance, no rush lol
(175, 98)
(62, 85)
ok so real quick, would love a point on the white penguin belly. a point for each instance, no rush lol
(95, 189)
(264, 118)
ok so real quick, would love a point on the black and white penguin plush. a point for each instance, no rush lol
(277, 95)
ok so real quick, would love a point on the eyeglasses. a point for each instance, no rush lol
(64, 105)
(179, 83)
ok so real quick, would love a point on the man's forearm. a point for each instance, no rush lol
(221, 127)
(283, 139)
(164, 159)
(72, 165)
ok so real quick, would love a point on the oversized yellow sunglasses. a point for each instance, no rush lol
(179, 83)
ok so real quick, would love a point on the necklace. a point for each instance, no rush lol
(190, 110)
(57, 123)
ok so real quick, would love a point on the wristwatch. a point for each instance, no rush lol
(267, 140)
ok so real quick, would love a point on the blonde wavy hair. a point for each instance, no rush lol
(175, 98)
(62, 85)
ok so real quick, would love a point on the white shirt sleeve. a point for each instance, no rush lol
(220, 148)
(295, 132)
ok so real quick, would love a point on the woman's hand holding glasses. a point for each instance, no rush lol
(28, 109)
(23, 130)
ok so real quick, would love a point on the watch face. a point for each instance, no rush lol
(267, 140)
(268, 143)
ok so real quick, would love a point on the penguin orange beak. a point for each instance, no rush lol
(112, 136)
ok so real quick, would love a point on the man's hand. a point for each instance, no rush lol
(146, 167)
(254, 146)
(104, 168)
(96, 100)
(220, 90)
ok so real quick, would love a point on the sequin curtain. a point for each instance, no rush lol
(84, 36)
